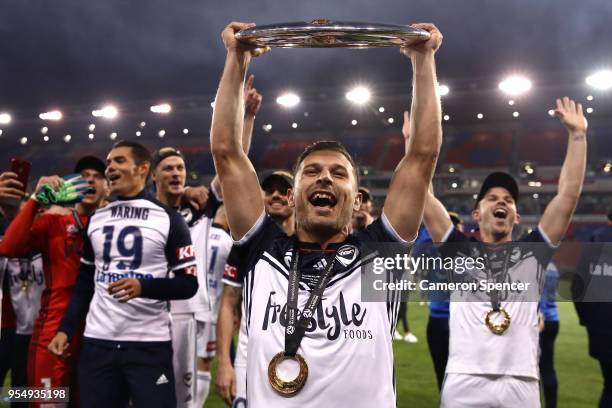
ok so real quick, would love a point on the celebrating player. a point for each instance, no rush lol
(493, 364)
(169, 174)
(340, 356)
(130, 247)
(59, 238)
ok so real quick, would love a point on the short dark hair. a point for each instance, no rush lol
(327, 145)
(139, 152)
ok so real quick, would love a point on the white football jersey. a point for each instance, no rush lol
(199, 223)
(348, 345)
(134, 238)
(219, 246)
(26, 282)
(473, 348)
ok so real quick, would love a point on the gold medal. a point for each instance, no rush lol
(500, 328)
(287, 388)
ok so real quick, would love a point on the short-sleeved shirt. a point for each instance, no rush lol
(348, 342)
(199, 223)
(473, 348)
(133, 238)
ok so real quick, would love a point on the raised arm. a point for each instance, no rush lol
(252, 103)
(241, 192)
(435, 214)
(559, 211)
(408, 189)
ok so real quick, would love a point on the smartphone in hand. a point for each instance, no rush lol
(22, 169)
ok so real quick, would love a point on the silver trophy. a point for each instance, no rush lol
(322, 33)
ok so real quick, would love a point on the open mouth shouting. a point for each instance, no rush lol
(323, 201)
(500, 213)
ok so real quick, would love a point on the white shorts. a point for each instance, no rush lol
(490, 391)
(207, 339)
(184, 357)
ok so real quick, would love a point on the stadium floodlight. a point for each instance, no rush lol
(162, 108)
(515, 85)
(354, 122)
(381, 109)
(446, 117)
(67, 138)
(480, 116)
(359, 95)
(551, 112)
(390, 120)
(23, 140)
(91, 136)
(589, 110)
(0, 132)
(589, 97)
(91, 127)
(108, 112)
(443, 89)
(288, 100)
(515, 114)
(44, 130)
(113, 136)
(528, 169)
(294, 125)
(138, 133)
(143, 124)
(600, 80)
(51, 115)
(185, 131)
(5, 118)
(161, 133)
(46, 138)
(267, 127)
(511, 102)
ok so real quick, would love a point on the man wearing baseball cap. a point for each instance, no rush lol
(493, 347)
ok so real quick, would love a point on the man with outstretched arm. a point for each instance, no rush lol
(484, 357)
(320, 261)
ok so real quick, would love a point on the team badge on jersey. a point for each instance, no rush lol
(347, 254)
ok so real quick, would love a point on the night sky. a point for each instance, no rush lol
(62, 53)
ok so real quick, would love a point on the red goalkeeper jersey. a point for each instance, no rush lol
(59, 239)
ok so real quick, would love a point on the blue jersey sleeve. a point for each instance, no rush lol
(181, 260)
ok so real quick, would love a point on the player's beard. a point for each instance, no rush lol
(322, 227)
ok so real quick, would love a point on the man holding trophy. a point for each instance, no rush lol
(298, 355)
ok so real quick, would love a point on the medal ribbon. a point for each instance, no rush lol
(295, 329)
